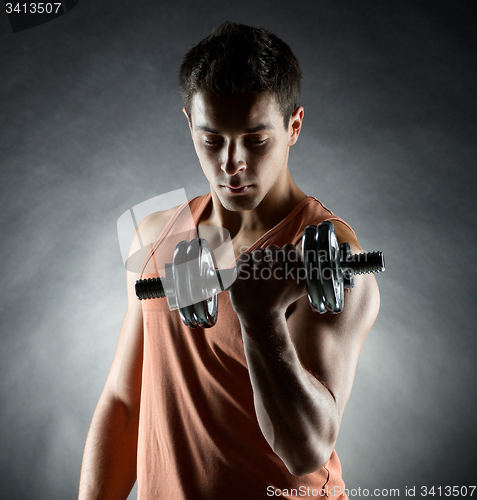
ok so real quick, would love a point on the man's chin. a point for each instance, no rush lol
(239, 203)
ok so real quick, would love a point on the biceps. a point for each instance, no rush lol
(329, 345)
(125, 376)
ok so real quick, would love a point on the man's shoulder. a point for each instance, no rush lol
(147, 233)
(344, 232)
(152, 225)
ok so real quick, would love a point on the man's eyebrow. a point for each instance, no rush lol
(204, 128)
(258, 128)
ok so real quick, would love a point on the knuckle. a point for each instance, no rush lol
(257, 254)
(288, 247)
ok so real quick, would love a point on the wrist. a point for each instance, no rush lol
(265, 331)
(252, 319)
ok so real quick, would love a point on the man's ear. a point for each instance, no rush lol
(184, 110)
(296, 121)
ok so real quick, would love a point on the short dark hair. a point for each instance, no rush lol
(239, 59)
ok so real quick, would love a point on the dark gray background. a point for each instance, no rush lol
(91, 124)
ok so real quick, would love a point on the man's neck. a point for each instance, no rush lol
(274, 207)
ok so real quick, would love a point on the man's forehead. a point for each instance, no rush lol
(251, 130)
(255, 111)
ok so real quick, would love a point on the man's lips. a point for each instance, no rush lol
(240, 189)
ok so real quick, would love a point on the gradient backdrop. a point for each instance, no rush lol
(91, 124)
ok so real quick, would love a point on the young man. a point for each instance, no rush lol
(251, 407)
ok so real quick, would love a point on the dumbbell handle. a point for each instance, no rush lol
(152, 288)
(363, 263)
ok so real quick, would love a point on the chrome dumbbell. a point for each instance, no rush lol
(192, 282)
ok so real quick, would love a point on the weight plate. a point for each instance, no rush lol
(328, 261)
(181, 284)
(202, 268)
(310, 254)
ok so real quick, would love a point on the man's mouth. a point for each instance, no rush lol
(237, 190)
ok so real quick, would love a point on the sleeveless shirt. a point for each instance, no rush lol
(199, 436)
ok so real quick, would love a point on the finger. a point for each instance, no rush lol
(275, 252)
(290, 253)
(270, 256)
(272, 248)
(257, 256)
(243, 263)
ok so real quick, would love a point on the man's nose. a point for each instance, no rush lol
(233, 161)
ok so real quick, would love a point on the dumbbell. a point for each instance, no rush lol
(192, 282)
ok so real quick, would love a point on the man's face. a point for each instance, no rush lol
(242, 146)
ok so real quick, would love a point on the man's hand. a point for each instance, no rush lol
(268, 281)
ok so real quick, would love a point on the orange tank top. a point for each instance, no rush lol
(199, 436)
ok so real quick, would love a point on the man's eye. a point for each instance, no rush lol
(256, 142)
(212, 143)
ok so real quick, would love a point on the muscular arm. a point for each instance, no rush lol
(296, 413)
(109, 463)
(302, 370)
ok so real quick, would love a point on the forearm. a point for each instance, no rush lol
(109, 462)
(297, 414)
